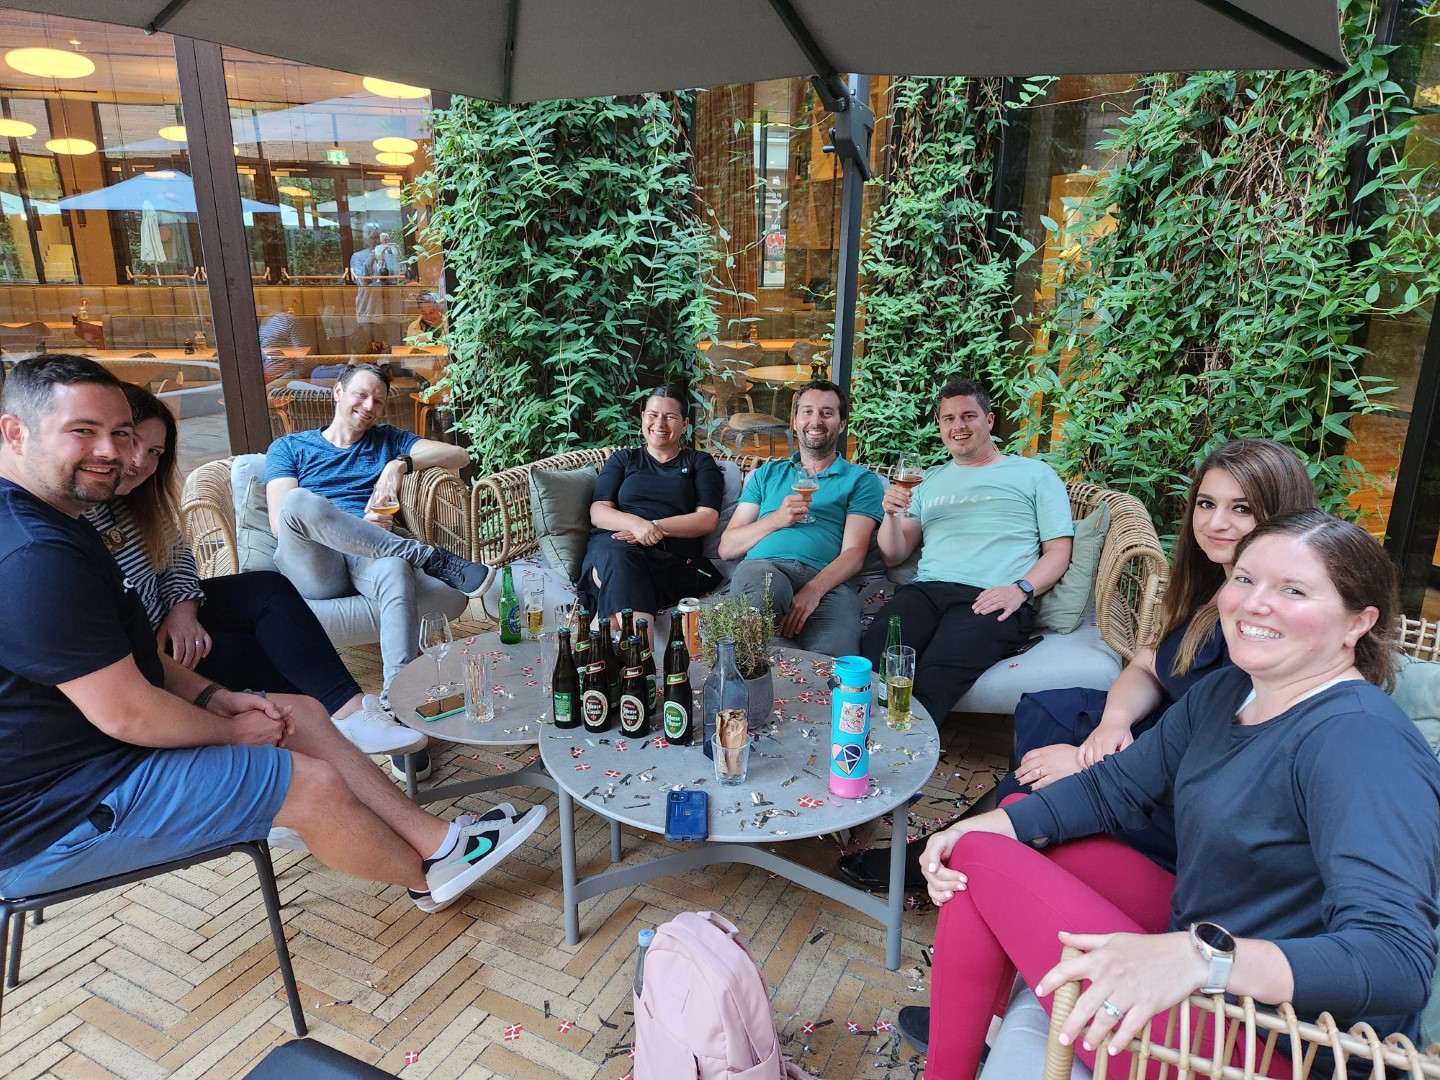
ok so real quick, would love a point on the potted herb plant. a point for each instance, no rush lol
(751, 627)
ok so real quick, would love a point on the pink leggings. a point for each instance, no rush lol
(1016, 902)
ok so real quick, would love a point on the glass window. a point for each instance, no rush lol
(336, 252)
(99, 240)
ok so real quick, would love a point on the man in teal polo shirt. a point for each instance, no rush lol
(809, 562)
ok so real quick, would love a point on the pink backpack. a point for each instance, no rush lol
(704, 1011)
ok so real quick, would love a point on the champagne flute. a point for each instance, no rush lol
(907, 475)
(805, 486)
(435, 642)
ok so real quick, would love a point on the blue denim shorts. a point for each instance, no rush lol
(176, 803)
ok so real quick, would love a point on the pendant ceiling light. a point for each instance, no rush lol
(393, 144)
(15, 129)
(172, 133)
(73, 147)
(50, 63)
(386, 88)
(395, 159)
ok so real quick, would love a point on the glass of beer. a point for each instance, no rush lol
(387, 505)
(532, 595)
(805, 486)
(907, 475)
(899, 678)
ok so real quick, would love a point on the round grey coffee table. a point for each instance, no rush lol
(785, 796)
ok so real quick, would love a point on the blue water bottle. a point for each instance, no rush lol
(850, 727)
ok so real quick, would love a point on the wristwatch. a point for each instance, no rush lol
(1026, 587)
(407, 461)
(1214, 943)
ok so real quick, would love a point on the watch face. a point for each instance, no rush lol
(1217, 937)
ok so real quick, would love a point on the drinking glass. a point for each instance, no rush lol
(532, 595)
(549, 654)
(732, 763)
(435, 642)
(805, 486)
(899, 679)
(388, 505)
(907, 475)
(479, 694)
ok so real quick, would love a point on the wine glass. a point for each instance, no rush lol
(435, 642)
(805, 486)
(384, 504)
(907, 475)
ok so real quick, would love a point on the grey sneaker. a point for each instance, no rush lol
(503, 813)
(471, 578)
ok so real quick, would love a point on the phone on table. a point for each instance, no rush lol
(436, 710)
(687, 815)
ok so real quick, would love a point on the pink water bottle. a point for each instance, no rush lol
(850, 727)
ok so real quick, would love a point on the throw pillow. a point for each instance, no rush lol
(731, 499)
(1064, 607)
(560, 507)
(1417, 692)
(255, 544)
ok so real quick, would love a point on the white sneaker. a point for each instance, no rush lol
(501, 813)
(288, 839)
(375, 731)
(481, 846)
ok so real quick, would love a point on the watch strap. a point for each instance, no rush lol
(1025, 586)
(408, 461)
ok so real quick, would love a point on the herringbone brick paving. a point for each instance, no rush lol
(176, 977)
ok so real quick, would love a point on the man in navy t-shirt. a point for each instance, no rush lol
(118, 757)
(324, 487)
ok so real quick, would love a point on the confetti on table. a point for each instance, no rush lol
(565, 1025)
(582, 766)
(513, 1032)
(808, 1029)
(412, 1056)
(612, 773)
(809, 802)
(883, 1025)
(660, 742)
(576, 751)
(621, 746)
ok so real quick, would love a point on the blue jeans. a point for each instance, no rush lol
(176, 803)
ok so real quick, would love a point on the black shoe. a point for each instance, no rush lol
(870, 869)
(914, 1024)
(422, 765)
(471, 578)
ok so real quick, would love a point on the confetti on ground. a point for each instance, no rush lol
(809, 1029)
(883, 1025)
(852, 1027)
(565, 1025)
(412, 1056)
(513, 1032)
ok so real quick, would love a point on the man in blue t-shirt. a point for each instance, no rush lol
(117, 757)
(997, 532)
(808, 545)
(332, 494)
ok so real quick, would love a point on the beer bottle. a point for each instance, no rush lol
(892, 640)
(679, 703)
(612, 660)
(509, 609)
(647, 663)
(627, 624)
(634, 711)
(566, 684)
(595, 694)
(582, 649)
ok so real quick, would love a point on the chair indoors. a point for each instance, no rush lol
(729, 387)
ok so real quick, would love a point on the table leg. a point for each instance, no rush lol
(616, 853)
(410, 784)
(570, 901)
(895, 912)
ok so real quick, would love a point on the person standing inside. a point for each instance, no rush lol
(808, 546)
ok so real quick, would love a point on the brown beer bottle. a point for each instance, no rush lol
(595, 691)
(612, 659)
(634, 711)
(565, 696)
(647, 663)
(678, 705)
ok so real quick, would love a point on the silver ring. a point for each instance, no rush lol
(1110, 1008)
(199, 642)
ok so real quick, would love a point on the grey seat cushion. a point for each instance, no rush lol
(1080, 658)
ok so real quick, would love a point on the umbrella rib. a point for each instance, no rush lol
(511, 18)
(1271, 32)
(825, 71)
(167, 13)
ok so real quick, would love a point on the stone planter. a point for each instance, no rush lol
(762, 700)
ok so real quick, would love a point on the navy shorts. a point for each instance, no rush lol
(176, 803)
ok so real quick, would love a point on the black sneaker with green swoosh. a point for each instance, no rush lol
(481, 846)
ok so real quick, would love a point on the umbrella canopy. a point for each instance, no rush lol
(169, 191)
(528, 50)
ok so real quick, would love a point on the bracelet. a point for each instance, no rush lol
(202, 699)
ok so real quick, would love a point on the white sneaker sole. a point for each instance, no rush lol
(524, 826)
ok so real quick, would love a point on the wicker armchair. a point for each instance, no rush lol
(1185, 1027)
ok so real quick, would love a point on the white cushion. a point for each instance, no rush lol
(1080, 658)
(253, 539)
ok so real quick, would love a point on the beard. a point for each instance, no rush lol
(821, 446)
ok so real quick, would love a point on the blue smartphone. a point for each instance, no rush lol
(436, 710)
(687, 815)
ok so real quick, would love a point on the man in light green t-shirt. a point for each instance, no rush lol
(997, 532)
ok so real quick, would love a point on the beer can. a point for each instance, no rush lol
(689, 608)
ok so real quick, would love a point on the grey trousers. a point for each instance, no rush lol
(327, 553)
(833, 627)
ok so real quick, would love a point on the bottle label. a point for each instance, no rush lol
(595, 707)
(632, 714)
(882, 694)
(677, 720)
(563, 705)
(676, 679)
(512, 618)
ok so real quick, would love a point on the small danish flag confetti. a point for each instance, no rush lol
(809, 802)
(660, 742)
(883, 1025)
(565, 1025)
(513, 1032)
(627, 1076)
(582, 766)
(852, 1027)
(412, 1056)
(576, 751)
(808, 1029)
(612, 773)
(621, 746)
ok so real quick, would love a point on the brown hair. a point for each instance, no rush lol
(1362, 574)
(824, 386)
(156, 502)
(1274, 480)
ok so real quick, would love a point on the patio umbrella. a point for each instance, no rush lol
(152, 247)
(167, 191)
(529, 50)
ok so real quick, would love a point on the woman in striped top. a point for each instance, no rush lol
(241, 630)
